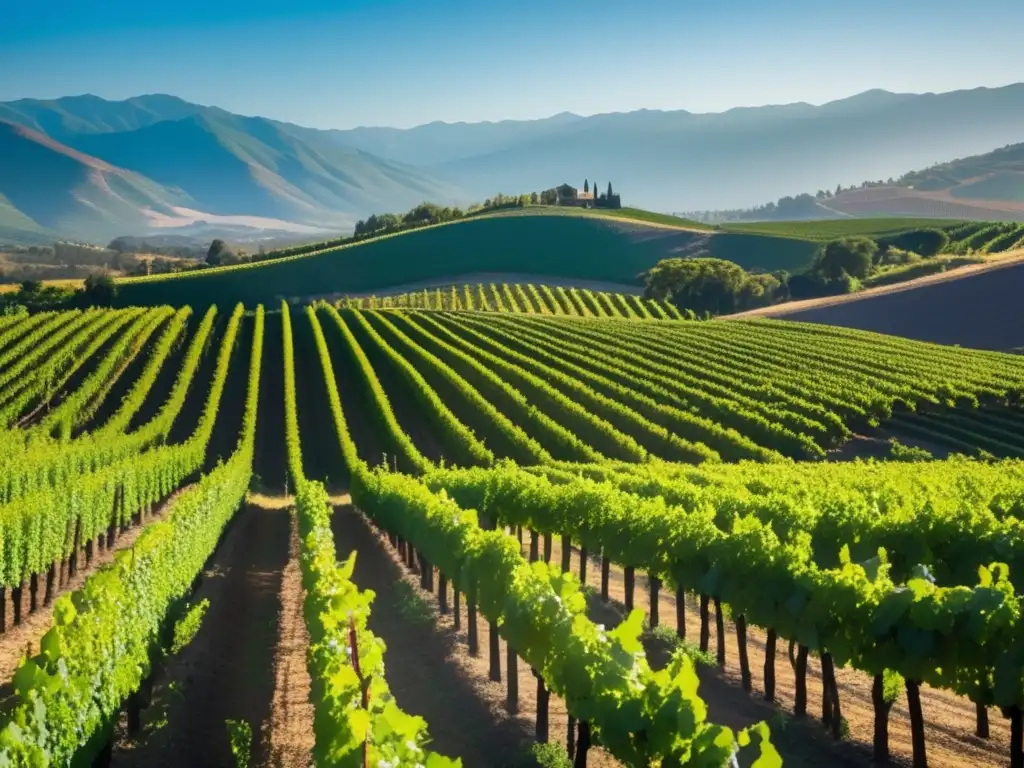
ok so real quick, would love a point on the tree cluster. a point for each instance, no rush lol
(711, 286)
(840, 266)
(426, 214)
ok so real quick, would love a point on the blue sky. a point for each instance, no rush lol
(344, 63)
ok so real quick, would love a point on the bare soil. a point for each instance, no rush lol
(429, 668)
(949, 719)
(234, 668)
(291, 713)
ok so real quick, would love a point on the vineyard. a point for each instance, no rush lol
(512, 519)
(964, 237)
(529, 298)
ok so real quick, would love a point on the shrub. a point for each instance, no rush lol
(853, 256)
(926, 242)
(901, 452)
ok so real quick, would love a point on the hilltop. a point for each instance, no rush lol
(606, 246)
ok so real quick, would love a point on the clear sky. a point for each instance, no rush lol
(343, 63)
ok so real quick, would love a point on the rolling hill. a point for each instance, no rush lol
(987, 186)
(982, 187)
(536, 242)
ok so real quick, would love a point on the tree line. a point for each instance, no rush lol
(710, 286)
(787, 208)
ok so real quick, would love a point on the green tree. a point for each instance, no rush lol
(853, 256)
(925, 242)
(703, 284)
(215, 256)
(100, 290)
(586, 185)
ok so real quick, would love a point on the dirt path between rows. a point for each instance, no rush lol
(429, 669)
(949, 720)
(291, 713)
(234, 668)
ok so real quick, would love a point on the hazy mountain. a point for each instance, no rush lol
(206, 160)
(227, 165)
(987, 186)
(678, 160)
(438, 142)
(50, 186)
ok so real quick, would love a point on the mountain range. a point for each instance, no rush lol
(92, 169)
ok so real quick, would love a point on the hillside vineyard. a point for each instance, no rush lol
(528, 466)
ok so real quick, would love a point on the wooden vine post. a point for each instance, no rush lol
(512, 665)
(582, 746)
(605, 571)
(473, 638)
(719, 633)
(880, 742)
(543, 700)
(655, 585)
(629, 577)
(741, 642)
(495, 670)
(916, 724)
(705, 628)
(800, 705)
(1016, 717)
(680, 613)
(442, 592)
(769, 666)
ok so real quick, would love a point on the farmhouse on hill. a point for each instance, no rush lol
(587, 197)
(569, 195)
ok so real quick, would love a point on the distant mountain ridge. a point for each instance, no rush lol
(196, 162)
(60, 189)
(201, 163)
(987, 186)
